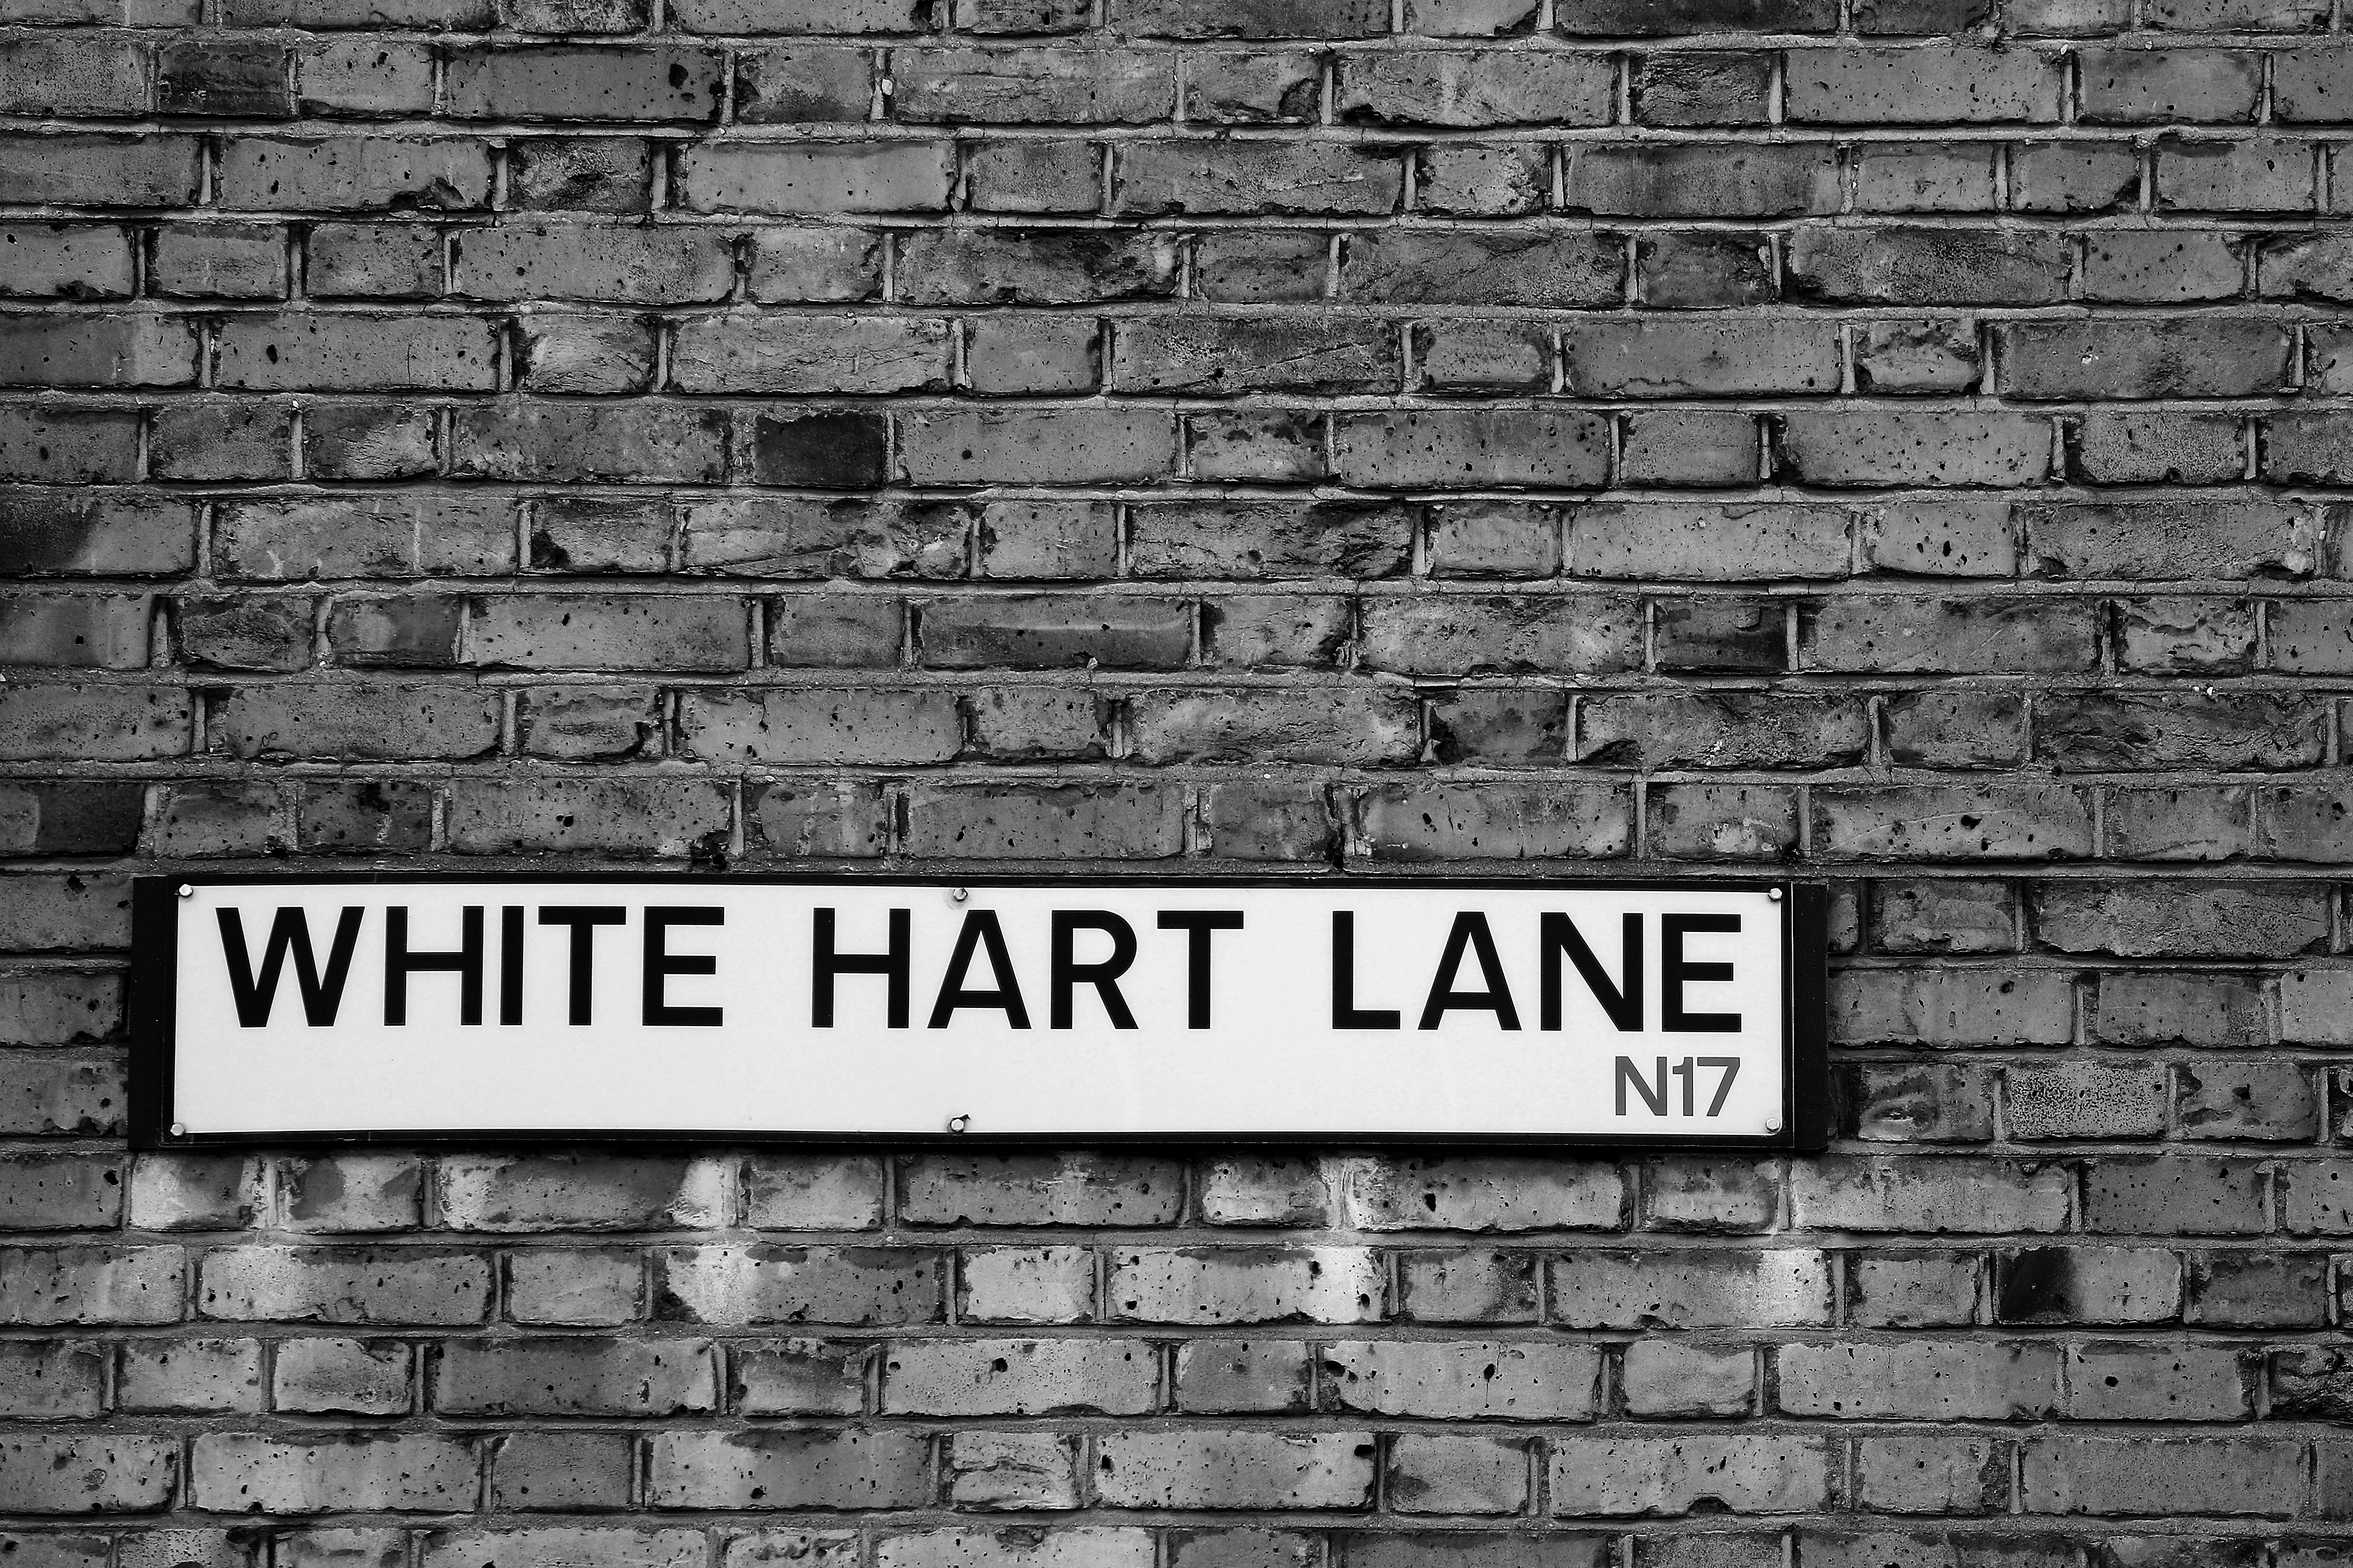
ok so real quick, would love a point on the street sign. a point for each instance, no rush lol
(426, 1007)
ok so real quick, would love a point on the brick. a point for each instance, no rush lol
(1937, 84)
(583, 82)
(539, 439)
(813, 1193)
(764, 1283)
(1746, 1473)
(361, 261)
(1933, 177)
(273, 174)
(2084, 1101)
(1720, 730)
(363, 76)
(75, 447)
(1243, 1285)
(1696, 179)
(867, 355)
(817, 178)
(49, 1285)
(1032, 177)
(1949, 1195)
(331, 1284)
(2103, 1475)
(1151, 178)
(1223, 358)
(1698, 88)
(987, 1470)
(231, 261)
(575, 1286)
(1196, 1469)
(2103, 732)
(1076, 446)
(2111, 1380)
(349, 1376)
(2129, 87)
(1932, 1473)
(70, 1474)
(1464, 1381)
(1043, 267)
(1547, 266)
(803, 85)
(881, 1469)
(2277, 919)
(2121, 447)
(1903, 447)
(2190, 1194)
(348, 1192)
(2215, 357)
(1030, 821)
(81, 76)
(841, 820)
(1495, 821)
(1904, 265)
(1014, 1548)
(410, 1473)
(1369, 731)
(1910, 1289)
(1941, 1381)
(2242, 1289)
(96, 350)
(1667, 1378)
(52, 1380)
(1025, 1285)
(800, 1377)
(1711, 1289)
(1467, 89)
(543, 1547)
(59, 1006)
(1947, 636)
(1465, 635)
(592, 262)
(1195, 19)
(1241, 1376)
(1894, 1104)
(575, 1377)
(579, 173)
(1020, 1377)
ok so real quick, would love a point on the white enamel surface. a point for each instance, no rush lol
(1270, 1063)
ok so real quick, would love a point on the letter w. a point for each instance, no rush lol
(291, 931)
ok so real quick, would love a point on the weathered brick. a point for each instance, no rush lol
(575, 1377)
(333, 1285)
(1748, 1473)
(1196, 1469)
(1247, 1285)
(1020, 1377)
(764, 1283)
(881, 1469)
(71, 1474)
(420, 1473)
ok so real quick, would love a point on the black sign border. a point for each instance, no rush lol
(1805, 1057)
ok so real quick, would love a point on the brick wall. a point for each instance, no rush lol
(1900, 443)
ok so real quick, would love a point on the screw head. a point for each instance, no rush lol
(959, 1123)
(1774, 894)
(1772, 1125)
(179, 1129)
(187, 891)
(961, 894)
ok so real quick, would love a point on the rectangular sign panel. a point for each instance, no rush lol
(680, 1006)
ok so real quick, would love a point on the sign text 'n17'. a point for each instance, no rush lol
(673, 1006)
